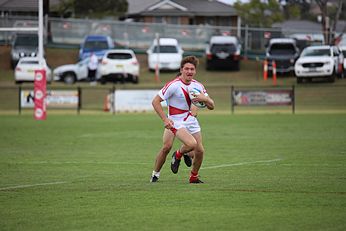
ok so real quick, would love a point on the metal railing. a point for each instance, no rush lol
(314, 98)
(70, 32)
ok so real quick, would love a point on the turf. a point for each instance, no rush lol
(91, 172)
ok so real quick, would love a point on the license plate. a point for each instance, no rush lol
(119, 66)
(30, 71)
(312, 69)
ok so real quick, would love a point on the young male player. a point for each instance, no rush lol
(180, 122)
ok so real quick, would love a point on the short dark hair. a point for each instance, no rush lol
(189, 59)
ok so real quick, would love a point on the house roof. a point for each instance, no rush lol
(183, 8)
(23, 5)
(136, 6)
(306, 25)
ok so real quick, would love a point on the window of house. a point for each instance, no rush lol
(173, 20)
(158, 19)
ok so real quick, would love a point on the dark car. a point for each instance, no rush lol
(223, 52)
(97, 44)
(23, 45)
(284, 52)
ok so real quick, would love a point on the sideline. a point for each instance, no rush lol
(242, 163)
(31, 185)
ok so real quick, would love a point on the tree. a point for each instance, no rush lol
(330, 17)
(94, 9)
(259, 13)
(296, 9)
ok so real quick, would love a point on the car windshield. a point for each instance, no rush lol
(96, 45)
(31, 41)
(119, 56)
(316, 52)
(282, 49)
(227, 48)
(29, 62)
(165, 49)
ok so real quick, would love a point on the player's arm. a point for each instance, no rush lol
(159, 110)
(209, 102)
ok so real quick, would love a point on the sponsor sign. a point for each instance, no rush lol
(134, 100)
(54, 98)
(263, 97)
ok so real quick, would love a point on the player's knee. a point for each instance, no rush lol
(192, 144)
(200, 151)
(166, 148)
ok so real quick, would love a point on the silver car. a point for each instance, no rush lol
(70, 73)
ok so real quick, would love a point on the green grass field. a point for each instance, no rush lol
(91, 172)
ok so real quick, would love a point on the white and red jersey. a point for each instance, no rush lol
(176, 94)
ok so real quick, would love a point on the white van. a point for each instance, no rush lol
(166, 53)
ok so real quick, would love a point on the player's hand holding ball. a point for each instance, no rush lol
(197, 98)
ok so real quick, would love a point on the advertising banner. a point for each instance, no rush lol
(134, 100)
(54, 98)
(262, 97)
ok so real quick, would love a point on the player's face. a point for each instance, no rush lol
(188, 72)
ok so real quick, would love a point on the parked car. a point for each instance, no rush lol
(284, 52)
(25, 70)
(23, 45)
(223, 52)
(118, 65)
(71, 73)
(167, 54)
(97, 44)
(319, 62)
(307, 39)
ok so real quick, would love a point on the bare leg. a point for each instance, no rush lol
(168, 138)
(198, 153)
(189, 142)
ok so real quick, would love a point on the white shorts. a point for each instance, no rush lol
(191, 124)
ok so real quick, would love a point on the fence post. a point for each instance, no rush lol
(293, 100)
(20, 100)
(79, 100)
(232, 99)
(113, 100)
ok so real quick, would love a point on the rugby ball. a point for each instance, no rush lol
(193, 94)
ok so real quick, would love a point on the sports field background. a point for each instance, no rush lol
(91, 172)
(264, 168)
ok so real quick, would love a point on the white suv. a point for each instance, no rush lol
(118, 65)
(25, 70)
(319, 62)
(167, 55)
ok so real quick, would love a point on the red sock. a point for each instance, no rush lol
(193, 175)
(178, 155)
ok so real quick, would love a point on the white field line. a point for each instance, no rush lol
(77, 162)
(31, 185)
(241, 163)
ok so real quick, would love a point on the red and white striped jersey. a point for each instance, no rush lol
(176, 94)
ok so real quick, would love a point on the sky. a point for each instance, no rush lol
(230, 2)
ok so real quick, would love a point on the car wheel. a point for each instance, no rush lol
(103, 80)
(69, 78)
(237, 66)
(331, 78)
(135, 79)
